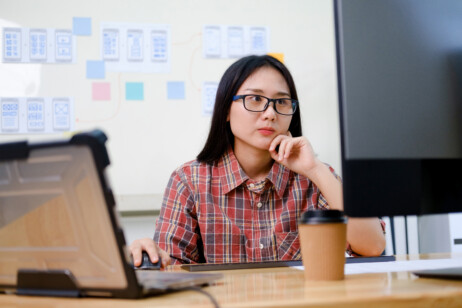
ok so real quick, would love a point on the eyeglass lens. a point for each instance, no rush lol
(258, 103)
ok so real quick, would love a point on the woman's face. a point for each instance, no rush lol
(257, 129)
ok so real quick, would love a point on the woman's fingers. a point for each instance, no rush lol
(152, 249)
(145, 244)
(288, 149)
(275, 143)
(283, 148)
(153, 253)
(135, 250)
(164, 256)
(286, 145)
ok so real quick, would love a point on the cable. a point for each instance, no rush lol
(200, 290)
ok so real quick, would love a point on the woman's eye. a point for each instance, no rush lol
(255, 98)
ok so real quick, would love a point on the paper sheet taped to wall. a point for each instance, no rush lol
(38, 45)
(31, 115)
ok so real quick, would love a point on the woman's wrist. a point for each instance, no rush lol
(328, 184)
(316, 171)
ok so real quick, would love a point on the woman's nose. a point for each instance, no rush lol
(269, 113)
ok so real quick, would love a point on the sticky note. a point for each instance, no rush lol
(134, 91)
(96, 69)
(101, 91)
(277, 55)
(175, 90)
(81, 26)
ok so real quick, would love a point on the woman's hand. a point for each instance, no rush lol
(153, 250)
(294, 153)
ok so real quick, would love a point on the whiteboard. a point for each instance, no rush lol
(149, 138)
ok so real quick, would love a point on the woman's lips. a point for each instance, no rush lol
(266, 131)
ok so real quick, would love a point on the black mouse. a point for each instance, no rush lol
(146, 263)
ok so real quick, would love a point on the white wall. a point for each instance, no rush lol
(136, 227)
(149, 139)
(146, 144)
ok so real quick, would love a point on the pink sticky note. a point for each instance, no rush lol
(101, 91)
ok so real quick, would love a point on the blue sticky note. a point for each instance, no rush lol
(96, 69)
(134, 91)
(175, 90)
(81, 26)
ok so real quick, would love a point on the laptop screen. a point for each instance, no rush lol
(53, 215)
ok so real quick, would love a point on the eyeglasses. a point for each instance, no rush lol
(258, 103)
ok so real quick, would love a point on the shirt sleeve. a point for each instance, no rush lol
(176, 227)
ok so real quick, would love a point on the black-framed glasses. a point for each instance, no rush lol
(259, 103)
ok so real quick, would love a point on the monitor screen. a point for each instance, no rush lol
(399, 68)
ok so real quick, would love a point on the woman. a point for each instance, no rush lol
(240, 200)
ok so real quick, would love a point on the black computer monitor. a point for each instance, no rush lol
(400, 88)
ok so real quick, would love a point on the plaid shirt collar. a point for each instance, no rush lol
(232, 175)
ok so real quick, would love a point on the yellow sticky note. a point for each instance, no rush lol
(277, 55)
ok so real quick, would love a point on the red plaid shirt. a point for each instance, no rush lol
(217, 214)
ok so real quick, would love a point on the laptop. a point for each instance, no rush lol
(59, 229)
(441, 273)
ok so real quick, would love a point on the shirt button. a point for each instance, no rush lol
(259, 204)
(261, 246)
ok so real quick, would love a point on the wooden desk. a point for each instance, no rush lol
(286, 287)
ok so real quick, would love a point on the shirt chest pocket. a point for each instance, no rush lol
(288, 245)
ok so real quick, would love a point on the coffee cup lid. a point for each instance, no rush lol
(323, 217)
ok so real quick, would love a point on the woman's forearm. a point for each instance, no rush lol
(365, 235)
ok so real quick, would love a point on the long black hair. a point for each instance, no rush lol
(220, 135)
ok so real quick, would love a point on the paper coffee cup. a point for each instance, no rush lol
(323, 240)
